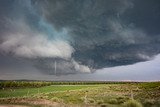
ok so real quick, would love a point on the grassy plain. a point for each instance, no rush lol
(98, 95)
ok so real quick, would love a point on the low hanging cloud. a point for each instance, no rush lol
(81, 68)
(58, 66)
(31, 46)
(42, 43)
(36, 46)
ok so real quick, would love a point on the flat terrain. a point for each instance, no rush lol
(20, 92)
(98, 95)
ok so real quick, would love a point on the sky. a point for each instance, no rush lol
(99, 40)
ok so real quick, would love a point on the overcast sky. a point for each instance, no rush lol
(80, 40)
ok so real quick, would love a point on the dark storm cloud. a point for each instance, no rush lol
(79, 35)
(87, 20)
(145, 15)
(28, 36)
(107, 32)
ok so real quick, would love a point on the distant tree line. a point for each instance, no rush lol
(20, 84)
(86, 82)
(16, 84)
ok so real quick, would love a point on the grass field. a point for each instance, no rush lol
(101, 95)
(32, 91)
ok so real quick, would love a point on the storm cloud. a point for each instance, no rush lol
(80, 36)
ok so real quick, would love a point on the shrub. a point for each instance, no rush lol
(55, 99)
(90, 101)
(104, 105)
(113, 101)
(148, 103)
(132, 103)
(100, 102)
(121, 100)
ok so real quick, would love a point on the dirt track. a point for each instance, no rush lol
(41, 102)
(12, 106)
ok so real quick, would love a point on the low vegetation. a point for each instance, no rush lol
(132, 103)
(82, 94)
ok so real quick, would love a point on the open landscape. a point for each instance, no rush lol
(80, 94)
(79, 53)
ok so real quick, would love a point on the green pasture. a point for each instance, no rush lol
(9, 92)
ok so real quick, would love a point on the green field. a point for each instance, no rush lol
(32, 91)
(98, 95)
